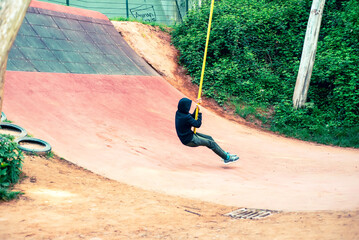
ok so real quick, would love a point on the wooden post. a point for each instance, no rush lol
(127, 10)
(12, 13)
(308, 54)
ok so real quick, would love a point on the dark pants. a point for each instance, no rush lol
(200, 139)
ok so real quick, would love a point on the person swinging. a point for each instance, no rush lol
(184, 122)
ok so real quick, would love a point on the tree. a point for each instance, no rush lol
(12, 13)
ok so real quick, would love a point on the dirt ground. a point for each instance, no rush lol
(64, 201)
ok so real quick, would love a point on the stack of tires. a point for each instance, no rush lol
(20, 135)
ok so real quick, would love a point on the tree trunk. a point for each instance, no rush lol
(308, 54)
(12, 13)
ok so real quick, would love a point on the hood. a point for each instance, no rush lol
(184, 105)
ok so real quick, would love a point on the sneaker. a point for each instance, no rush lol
(230, 158)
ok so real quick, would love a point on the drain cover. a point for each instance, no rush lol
(250, 213)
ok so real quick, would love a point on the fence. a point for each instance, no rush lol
(167, 12)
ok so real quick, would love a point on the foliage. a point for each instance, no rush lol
(11, 159)
(49, 155)
(7, 195)
(253, 59)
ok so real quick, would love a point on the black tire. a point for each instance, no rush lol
(46, 146)
(13, 127)
(3, 117)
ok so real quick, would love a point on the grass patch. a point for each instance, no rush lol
(161, 26)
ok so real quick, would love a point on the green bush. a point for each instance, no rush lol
(253, 58)
(11, 159)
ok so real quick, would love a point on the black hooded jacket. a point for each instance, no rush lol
(185, 121)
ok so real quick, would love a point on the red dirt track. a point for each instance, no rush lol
(122, 127)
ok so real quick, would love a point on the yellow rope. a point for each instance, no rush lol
(204, 59)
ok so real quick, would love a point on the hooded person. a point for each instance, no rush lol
(185, 121)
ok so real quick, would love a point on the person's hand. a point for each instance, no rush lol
(198, 102)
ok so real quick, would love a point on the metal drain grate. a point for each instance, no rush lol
(250, 213)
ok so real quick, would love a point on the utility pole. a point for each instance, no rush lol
(308, 54)
(12, 13)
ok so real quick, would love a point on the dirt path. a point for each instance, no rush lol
(63, 201)
(155, 47)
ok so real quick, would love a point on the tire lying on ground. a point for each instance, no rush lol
(33, 145)
(12, 129)
(3, 117)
